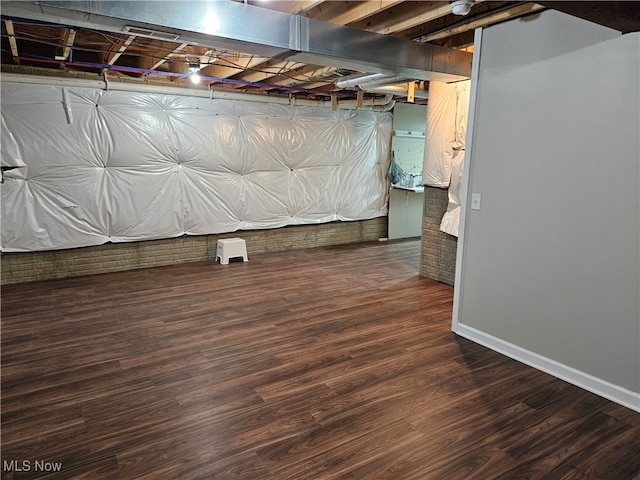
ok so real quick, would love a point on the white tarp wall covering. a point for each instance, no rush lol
(114, 166)
(445, 142)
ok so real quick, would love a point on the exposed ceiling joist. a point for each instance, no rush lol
(301, 75)
(68, 38)
(176, 51)
(227, 67)
(490, 19)
(335, 12)
(12, 39)
(267, 70)
(114, 56)
(407, 15)
(295, 7)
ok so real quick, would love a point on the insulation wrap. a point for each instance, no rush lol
(446, 130)
(117, 166)
(445, 142)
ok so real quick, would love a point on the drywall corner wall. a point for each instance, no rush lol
(550, 270)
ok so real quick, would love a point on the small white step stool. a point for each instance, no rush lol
(230, 248)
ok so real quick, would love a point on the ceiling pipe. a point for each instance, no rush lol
(383, 82)
(377, 104)
(400, 91)
(369, 82)
(356, 80)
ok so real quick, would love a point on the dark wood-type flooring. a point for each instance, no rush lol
(329, 363)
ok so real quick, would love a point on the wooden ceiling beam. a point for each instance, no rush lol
(345, 13)
(177, 50)
(12, 40)
(485, 21)
(226, 67)
(114, 56)
(267, 69)
(404, 16)
(306, 74)
(68, 37)
(324, 84)
(294, 7)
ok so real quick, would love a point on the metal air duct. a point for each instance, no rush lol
(242, 27)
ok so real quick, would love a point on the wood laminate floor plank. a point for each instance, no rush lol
(320, 364)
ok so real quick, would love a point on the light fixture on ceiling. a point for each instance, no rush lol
(461, 7)
(194, 70)
(211, 23)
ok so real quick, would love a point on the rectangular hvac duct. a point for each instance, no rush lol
(259, 31)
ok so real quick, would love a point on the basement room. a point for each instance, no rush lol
(320, 239)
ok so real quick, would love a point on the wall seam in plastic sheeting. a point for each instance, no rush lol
(141, 166)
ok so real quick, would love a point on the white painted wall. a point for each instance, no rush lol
(405, 207)
(409, 150)
(550, 265)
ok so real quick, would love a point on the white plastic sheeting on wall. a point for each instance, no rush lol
(451, 219)
(446, 130)
(121, 166)
(445, 143)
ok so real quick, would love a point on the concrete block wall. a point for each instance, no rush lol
(112, 257)
(438, 249)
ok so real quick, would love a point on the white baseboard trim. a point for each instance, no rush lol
(593, 384)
